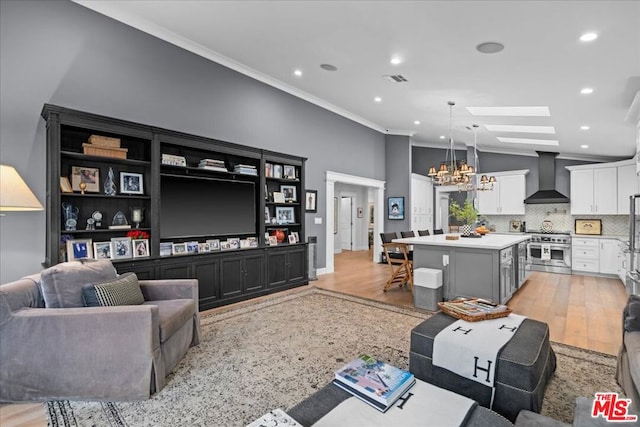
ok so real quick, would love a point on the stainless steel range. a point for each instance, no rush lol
(550, 252)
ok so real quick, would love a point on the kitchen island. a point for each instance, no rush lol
(485, 267)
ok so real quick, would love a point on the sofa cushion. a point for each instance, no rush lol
(632, 316)
(123, 290)
(173, 314)
(62, 284)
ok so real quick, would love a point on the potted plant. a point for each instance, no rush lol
(466, 213)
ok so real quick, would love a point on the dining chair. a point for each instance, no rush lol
(438, 231)
(407, 234)
(423, 233)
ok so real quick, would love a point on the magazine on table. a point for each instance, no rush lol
(375, 382)
(475, 306)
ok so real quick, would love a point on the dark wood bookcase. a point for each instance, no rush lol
(234, 268)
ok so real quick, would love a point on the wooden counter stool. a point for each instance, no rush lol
(401, 268)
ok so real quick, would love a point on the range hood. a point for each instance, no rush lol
(547, 192)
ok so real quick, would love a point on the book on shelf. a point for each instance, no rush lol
(475, 306)
(212, 164)
(120, 227)
(373, 381)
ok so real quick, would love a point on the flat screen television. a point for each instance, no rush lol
(206, 207)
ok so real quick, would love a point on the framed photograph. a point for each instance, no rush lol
(214, 244)
(121, 248)
(310, 204)
(225, 246)
(267, 215)
(234, 243)
(514, 226)
(140, 248)
(296, 236)
(289, 192)
(292, 238)
(192, 247)
(396, 207)
(166, 248)
(253, 242)
(102, 250)
(285, 215)
(88, 176)
(588, 226)
(289, 172)
(79, 249)
(273, 241)
(278, 197)
(277, 171)
(204, 247)
(268, 170)
(180, 248)
(131, 183)
(65, 185)
(245, 244)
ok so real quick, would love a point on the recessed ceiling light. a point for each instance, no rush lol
(586, 91)
(377, 99)
(588, 37)
(584, 146)
(528, 141)
(298, 73)
(510, 111)
(441, 136)
(490, 47)
(520, 129)
(585, 127)
(417, 122)
(328, 67)
(396, 60)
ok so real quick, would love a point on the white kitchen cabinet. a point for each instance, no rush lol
(421, 203)
(627, 185)
(609, 256)
(594, 191)
(507, 196)
(585, 254)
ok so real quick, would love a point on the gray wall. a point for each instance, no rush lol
(398, 173)
(61, 53)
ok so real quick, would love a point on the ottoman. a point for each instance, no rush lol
(523, 367)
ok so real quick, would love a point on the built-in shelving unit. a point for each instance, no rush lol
(203, 216)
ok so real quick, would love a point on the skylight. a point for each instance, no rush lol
(520, 129)
(528, 141)
(510, 111)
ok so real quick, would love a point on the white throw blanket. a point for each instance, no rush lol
(427, 405)
(470, 349)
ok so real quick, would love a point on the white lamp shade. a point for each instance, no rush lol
(15, 195)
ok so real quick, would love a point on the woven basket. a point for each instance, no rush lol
(468, 318)
(104, 141)
(93, 150)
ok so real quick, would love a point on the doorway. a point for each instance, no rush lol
(443, 212)
(346, 223)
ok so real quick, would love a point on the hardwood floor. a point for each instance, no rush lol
(582, 311)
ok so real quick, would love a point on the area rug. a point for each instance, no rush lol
(275, 353)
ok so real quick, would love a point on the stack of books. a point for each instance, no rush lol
(245, 170)
(212, 165)
(474, 307)
(374, 382)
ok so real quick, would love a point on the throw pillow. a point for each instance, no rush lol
(123, 290)
(61, 285)
(632, 319)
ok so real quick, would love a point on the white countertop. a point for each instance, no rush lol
(492, 241)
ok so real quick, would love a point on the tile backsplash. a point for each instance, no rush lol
(560, 215)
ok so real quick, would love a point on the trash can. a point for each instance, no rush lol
(427, 288)
(313, 257)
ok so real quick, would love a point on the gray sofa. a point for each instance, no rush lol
(628, 372)
(110, 353)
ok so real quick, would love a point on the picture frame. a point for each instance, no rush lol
(65, 185)
(514, 226)
(288, 172)
(140, 248)
(214, 244)
(268, 170)
(273, 241)
(179, 248)
(292, 238)
(192, 247)
(204, 247)
(234, 243)
(289, 192)
(166, 248)
(267, 215)
(296, 236)
(285, 215)
(225, 245)
(79, 249)
(245, 244)
(88, 176)
(310, 200)
(102, 250)
(592, 227)
(395, 208)
(277, 171)
(121, 248)
(278, 197)
(131, 183)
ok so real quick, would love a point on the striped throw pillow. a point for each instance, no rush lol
(123, 290)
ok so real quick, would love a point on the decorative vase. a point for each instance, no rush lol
(466, 229)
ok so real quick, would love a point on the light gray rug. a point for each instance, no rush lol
(277, 352)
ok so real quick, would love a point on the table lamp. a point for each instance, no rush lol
(15, 195)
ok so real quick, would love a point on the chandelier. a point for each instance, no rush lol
(461, 175)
